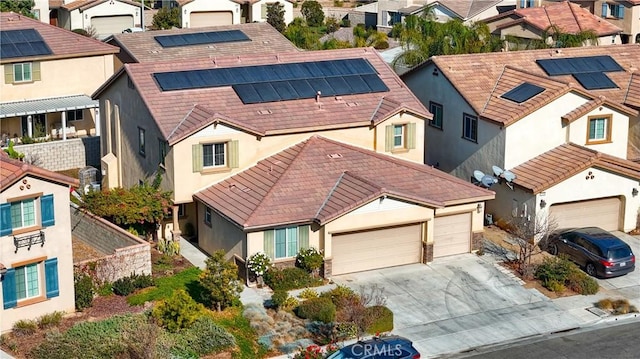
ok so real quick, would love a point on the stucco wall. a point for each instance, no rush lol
(57, 245)
(82, 19)
(63, 155)
(256, 11)
(578, 131)
(221, 234)
(207, 5)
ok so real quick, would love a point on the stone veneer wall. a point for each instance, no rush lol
(63, 155)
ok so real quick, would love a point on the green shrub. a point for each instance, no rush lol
(289, 278)
(50, 320)
(24, 327)
(556, 273)
(221, 287)
(308, 293)
(317, 309)
(341, 296)
(290, 304)
(105, 289)
(177, 312)
(123, 286)
(141, 281)
(205, 337)
(582, 283)
(279, 297)
(382, 319)
(554, 269)
(310, 259)
(84, 291)
(554, 285)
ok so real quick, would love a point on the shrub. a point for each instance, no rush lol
(582, 283)
(554, 269)
(279, 297)
(177, 312)
(124, 286)
(84, 291)
(310, 352)
(308, 293)
(206, 337)
(220, 282)
(290, 304)
(105, 289)
(605, 304)
(317, 309)
(382, 319)
(341, 296)
(141, 281)
(310, 259)
(24, 327)
(289, 278)
(554, 285)
(50, 320)
(312, 13)
(259, 263)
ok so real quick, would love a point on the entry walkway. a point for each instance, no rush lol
(192, 253)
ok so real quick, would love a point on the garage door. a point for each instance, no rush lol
(604, 213)
(380, 248)
(211, 18)
(108, 25)
(452, 235)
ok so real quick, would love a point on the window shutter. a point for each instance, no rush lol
(51, 277)
(604, 9)
(48, 212)
(196, 152)
(411, 135)
(523, 4)
(5, 219)
(8, 74)
(268, 245)
(303, 237)
(263, 11)
(234, 160)
(9, 295)
(620, 14)
(388, 138)
(35, 71)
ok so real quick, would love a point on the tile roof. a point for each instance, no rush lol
(55, 4)
(633, 95)
(142, 46)
(466, 9)
(63, 43)
(565, 161)
(568, 17)
(583, 110)
(480, 78)
(87, 4)
(180, 113)
(11, 171)
(319, 180)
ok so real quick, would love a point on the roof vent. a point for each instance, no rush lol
(154, 51)
(352, 104)
(264, 112)
(335, 155)
(211, 47)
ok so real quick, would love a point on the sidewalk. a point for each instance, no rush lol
(192, 253)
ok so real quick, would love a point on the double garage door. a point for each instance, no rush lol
(211, 18)
(605, 213)
(108, 25)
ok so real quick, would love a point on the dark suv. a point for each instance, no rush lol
(599, 252)
(391, 347)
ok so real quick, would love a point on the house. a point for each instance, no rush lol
(203, 13)
(564, 121)
(36, 261)
(536, 22)
(364, 209)
(49, 74)
(468, 11)
(102, 17)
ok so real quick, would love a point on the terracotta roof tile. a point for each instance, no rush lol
(142, 47)
(11, 171)
(170, 109)
(565, 161)
(583, 110)
(63, 43)
(87, 4)
(466, 9)
(320, 179)
(632, 97)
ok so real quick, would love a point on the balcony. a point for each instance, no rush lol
(29, 240)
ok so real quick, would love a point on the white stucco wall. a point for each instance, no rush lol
(208, 5)
(82, 20)
(256, 10)
(619, 132)
(42, 7)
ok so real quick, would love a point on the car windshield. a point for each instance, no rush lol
(619, 252)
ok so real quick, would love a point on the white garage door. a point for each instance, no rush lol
(380, 248)
(211, 18)
(452, 235)
(604, 213)
(108, 25)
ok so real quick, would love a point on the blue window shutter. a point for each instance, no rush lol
(620, 12)
(48, 213)
(9, 295)
(523, 4)
(5, 219)
(51, 277)
(604, 9)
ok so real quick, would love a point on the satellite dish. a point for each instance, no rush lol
(509, 176)
(488, 181)
(497, 171)
(478, 175)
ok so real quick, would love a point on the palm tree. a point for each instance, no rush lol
(553, 37)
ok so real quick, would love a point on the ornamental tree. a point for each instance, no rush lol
(23, 7)
(275, 16)
(220, 282)
(312, 12)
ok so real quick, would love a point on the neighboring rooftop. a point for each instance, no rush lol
(87, 4)
(466, 9)
(319, 180)
(11, 171)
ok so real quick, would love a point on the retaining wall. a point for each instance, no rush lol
(63, 155)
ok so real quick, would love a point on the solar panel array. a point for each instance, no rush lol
(282, 82)
(523, 92)
(200, 38)
(22, 43)
(589, 70)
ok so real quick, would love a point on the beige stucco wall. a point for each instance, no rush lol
(256, 10)
(82, 19)
(255, 242)
(57, 245)
(207, 5)
(619, 132)
(221, 234)
(630, 24)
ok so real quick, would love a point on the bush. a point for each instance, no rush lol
(290, 303)
(341, 296)
(259, 263)
(84, 291)
(312, 12)
(50, 320)
(557, 272)
(310, 259)
(582, 283)
(554, 285)
(279, 297)
(177, 312)
(605, 304)
(220, 282)
(141, 281)
(123, 286)
(205, 337)
(289, 278)
(382, 319)
(554, 269)
(24, 327)
(317, 309)
(105, 289)
(308, 293)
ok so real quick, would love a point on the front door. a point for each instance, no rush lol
(38, 125)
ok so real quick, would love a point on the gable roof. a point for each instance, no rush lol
(185, 2)
(568, 17)
(466, 9)
(632, 97)
(479, 77)
(87, 4)
(554, 166)
(319, 180)
(142, 46)
(174, 111)
(63, 43)
(11, 171)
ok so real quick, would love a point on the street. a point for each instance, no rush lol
(608, 340)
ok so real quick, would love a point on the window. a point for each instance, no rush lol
(162, 149)
(613, 11)
(182, 210)
(75, 115)
(599, 130)
(207, 216)
(437, 111)
(207, 156)
(400, 137)
(285, 242)
(141, 141)
(23, 283)
(213, 155)
(470, 127)
(527, 3)
(27, 285)
(24, 214)
(22, 72)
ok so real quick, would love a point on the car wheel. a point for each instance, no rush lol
(553, 249)
(590, 269)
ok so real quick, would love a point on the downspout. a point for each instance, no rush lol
(116, 109)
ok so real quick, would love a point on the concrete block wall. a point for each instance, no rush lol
(63, 155)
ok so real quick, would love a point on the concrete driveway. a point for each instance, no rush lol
(460, 302)
(627, 286)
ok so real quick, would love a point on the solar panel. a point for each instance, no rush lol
(522, 92)
(201, 38)
(595, 81)
(247, 93)
(22, 43)
(576, 65)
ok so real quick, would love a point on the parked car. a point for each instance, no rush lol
(598, 252)
(391, 347)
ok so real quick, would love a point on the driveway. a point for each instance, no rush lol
(627, 286)
(460, 302)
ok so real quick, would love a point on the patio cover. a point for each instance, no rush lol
(46, 105)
